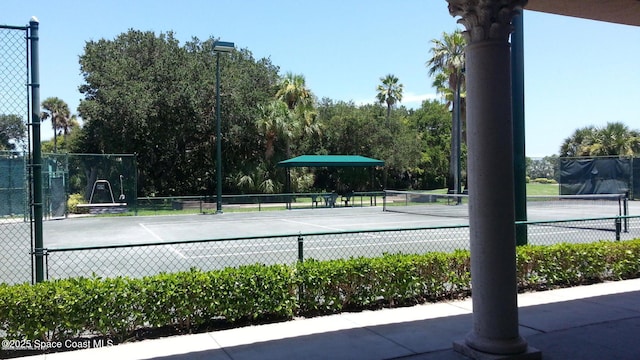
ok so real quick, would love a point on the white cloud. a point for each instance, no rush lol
(412, 100)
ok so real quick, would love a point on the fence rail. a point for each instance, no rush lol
(259, 202)
(138, 260)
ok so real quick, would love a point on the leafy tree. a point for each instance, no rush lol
(432, 123)
(613, 139)
(58, 111)
(389, 92)
(447, 62)
(293, 90)
(12, 131)
(616, 139)
(577, 144)
(447, 65)
(543, 168)
(302, 119)
(362, 130)
(146, 94)
(274, 122)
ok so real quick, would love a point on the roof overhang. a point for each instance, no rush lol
(625, 12)
(331, 161)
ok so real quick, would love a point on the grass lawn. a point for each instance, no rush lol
(543, 189)
(532, 189)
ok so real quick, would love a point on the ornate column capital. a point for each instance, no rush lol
(486, 19)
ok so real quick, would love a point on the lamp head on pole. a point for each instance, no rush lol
(223, 46)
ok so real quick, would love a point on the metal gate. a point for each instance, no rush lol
(21, 254)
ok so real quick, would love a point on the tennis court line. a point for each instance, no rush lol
(171, 247)
(310, 224)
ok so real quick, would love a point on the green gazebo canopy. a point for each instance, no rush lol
(330, 161)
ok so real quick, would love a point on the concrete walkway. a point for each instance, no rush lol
(600, 321)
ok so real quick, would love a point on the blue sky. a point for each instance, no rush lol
(577, 72)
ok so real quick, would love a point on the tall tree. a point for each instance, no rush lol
(274, 123)
(432, 122)
(58, 111)
(616, 139)
(577, 144)
(69, 125)
(613, 139)
(447, 65)
(293, 90)
(389, 92)
(12, 131)
(147, 94)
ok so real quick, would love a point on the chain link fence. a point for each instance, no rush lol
(15, 214)
(149, 259)
(94, 182)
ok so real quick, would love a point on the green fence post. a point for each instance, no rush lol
(36, 162)
(625, 212)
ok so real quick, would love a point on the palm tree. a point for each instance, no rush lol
(302, 119)
(448, 59)
(58, 111)
(293, 91)
(447, 64)
(613, 139)
(579, 143)
(274, 122)
(616, 139)
(389, 92)
(69, 126)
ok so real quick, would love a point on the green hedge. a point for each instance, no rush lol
(391, 280)
(188, 301)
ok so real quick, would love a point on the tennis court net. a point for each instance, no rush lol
(539, 207)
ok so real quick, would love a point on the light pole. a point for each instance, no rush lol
(219, 47)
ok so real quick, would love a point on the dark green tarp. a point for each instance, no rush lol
(595, 176)
(636, 179)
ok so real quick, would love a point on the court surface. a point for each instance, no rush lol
(179, 240)
(95, 231)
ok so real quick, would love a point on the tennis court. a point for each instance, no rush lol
(182, 242)
(145, 245)
(94, 231)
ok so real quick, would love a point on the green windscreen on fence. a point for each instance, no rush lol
(13, 182)
(603, 175)
(635, 193)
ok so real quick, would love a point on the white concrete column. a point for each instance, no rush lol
(490, 178)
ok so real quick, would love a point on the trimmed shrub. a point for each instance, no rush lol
(72, 204)
(544, 181)
(116, 308)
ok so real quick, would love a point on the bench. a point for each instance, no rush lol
(330, 199)
(315, 200)
(346, 198)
